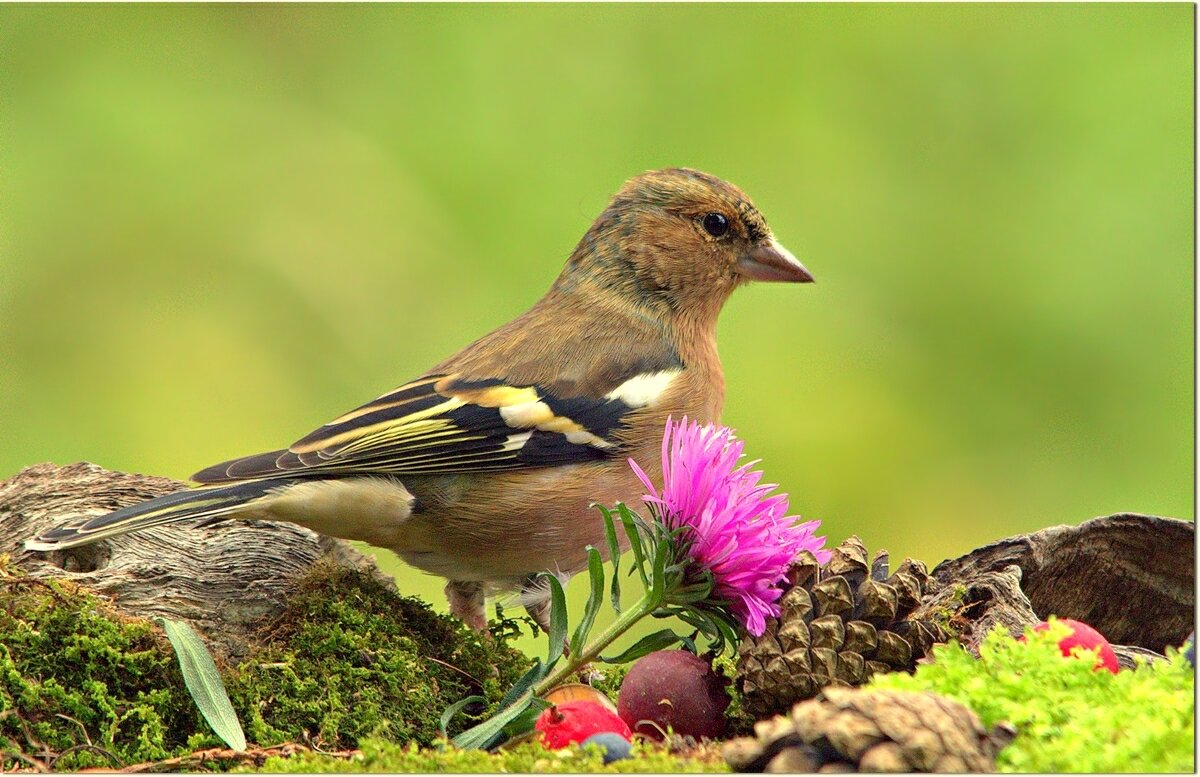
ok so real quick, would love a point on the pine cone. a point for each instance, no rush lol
(847, 730)
(839, 624)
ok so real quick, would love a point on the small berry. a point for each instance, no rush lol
(1189, 650)
(574, 721)
(614, 746)
(673, 689)
(1084, 636)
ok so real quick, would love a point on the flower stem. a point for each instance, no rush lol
(624, 621)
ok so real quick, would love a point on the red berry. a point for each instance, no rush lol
(574, 721)
(1084, 636)
(675, 689)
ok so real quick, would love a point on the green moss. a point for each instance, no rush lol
(77, 679)
(947, 615)
(1069, 718)
(380, 756)
(607, 678)
(738, 722)
(351, 658)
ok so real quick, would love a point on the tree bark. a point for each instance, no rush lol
(223, 579)
(1131, 577)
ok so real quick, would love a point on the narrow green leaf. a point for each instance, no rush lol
(491, 730)
(614, 556)
(455, 708)
(689, 594)
(523, 723)
(658, 579)
(727, 635)
(659, 640)
(204, 682)
(698, 620)
(526, 681)
(558, 620)
(595, 597)
(629, 523)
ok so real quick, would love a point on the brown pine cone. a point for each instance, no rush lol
(845, 730)
(839, 624)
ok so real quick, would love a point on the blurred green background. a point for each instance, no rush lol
(224, 225)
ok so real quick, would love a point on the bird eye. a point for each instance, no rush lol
(715, 224)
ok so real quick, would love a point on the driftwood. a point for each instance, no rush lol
(223, 579)
(1131, 577)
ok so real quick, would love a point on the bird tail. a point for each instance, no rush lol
(213, 502)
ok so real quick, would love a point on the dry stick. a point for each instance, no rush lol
(478, 684)
(53, 759)
(257, 757)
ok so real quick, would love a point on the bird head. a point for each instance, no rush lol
(682, 239)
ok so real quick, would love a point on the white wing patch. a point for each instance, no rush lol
(644, 390)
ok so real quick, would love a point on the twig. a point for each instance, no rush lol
(37, 765)
(256, 757)
(439, 662)
(53, 759)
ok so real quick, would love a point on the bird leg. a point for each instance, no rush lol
(467, 603)
(539, 610)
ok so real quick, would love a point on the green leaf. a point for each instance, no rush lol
(698, 620)
(489, 732)
(629, 523)
(658, 579)
(526, 681)
(558, 620)
(697, 592)
(523, 723)
(614, 556)
(596, 576)
(455, 708)
(659, 640)
(204, 683)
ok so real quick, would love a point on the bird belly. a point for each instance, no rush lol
(506, 527)
(374, 510)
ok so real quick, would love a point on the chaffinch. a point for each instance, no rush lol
(482, 470)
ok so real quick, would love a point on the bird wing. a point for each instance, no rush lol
(442, 424)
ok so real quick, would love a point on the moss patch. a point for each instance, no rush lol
(81, 685)
(1069, 718)
(351, 658)
(379, 756)
(77, 679)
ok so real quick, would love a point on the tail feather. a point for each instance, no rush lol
(205, 502)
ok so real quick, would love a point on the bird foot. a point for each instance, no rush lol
(466, 599)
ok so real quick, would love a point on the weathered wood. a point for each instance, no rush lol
(1131, 577)
(223, 579)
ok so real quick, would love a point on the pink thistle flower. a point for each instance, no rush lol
(736, 528)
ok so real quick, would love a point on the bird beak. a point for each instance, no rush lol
(772, 262)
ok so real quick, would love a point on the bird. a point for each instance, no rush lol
(483, 470)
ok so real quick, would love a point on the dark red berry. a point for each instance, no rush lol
(673, 689)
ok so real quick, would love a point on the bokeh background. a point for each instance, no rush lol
(221, 226)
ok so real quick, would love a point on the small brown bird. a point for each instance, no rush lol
(482, 469)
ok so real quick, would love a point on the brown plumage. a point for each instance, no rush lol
(482, 469)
